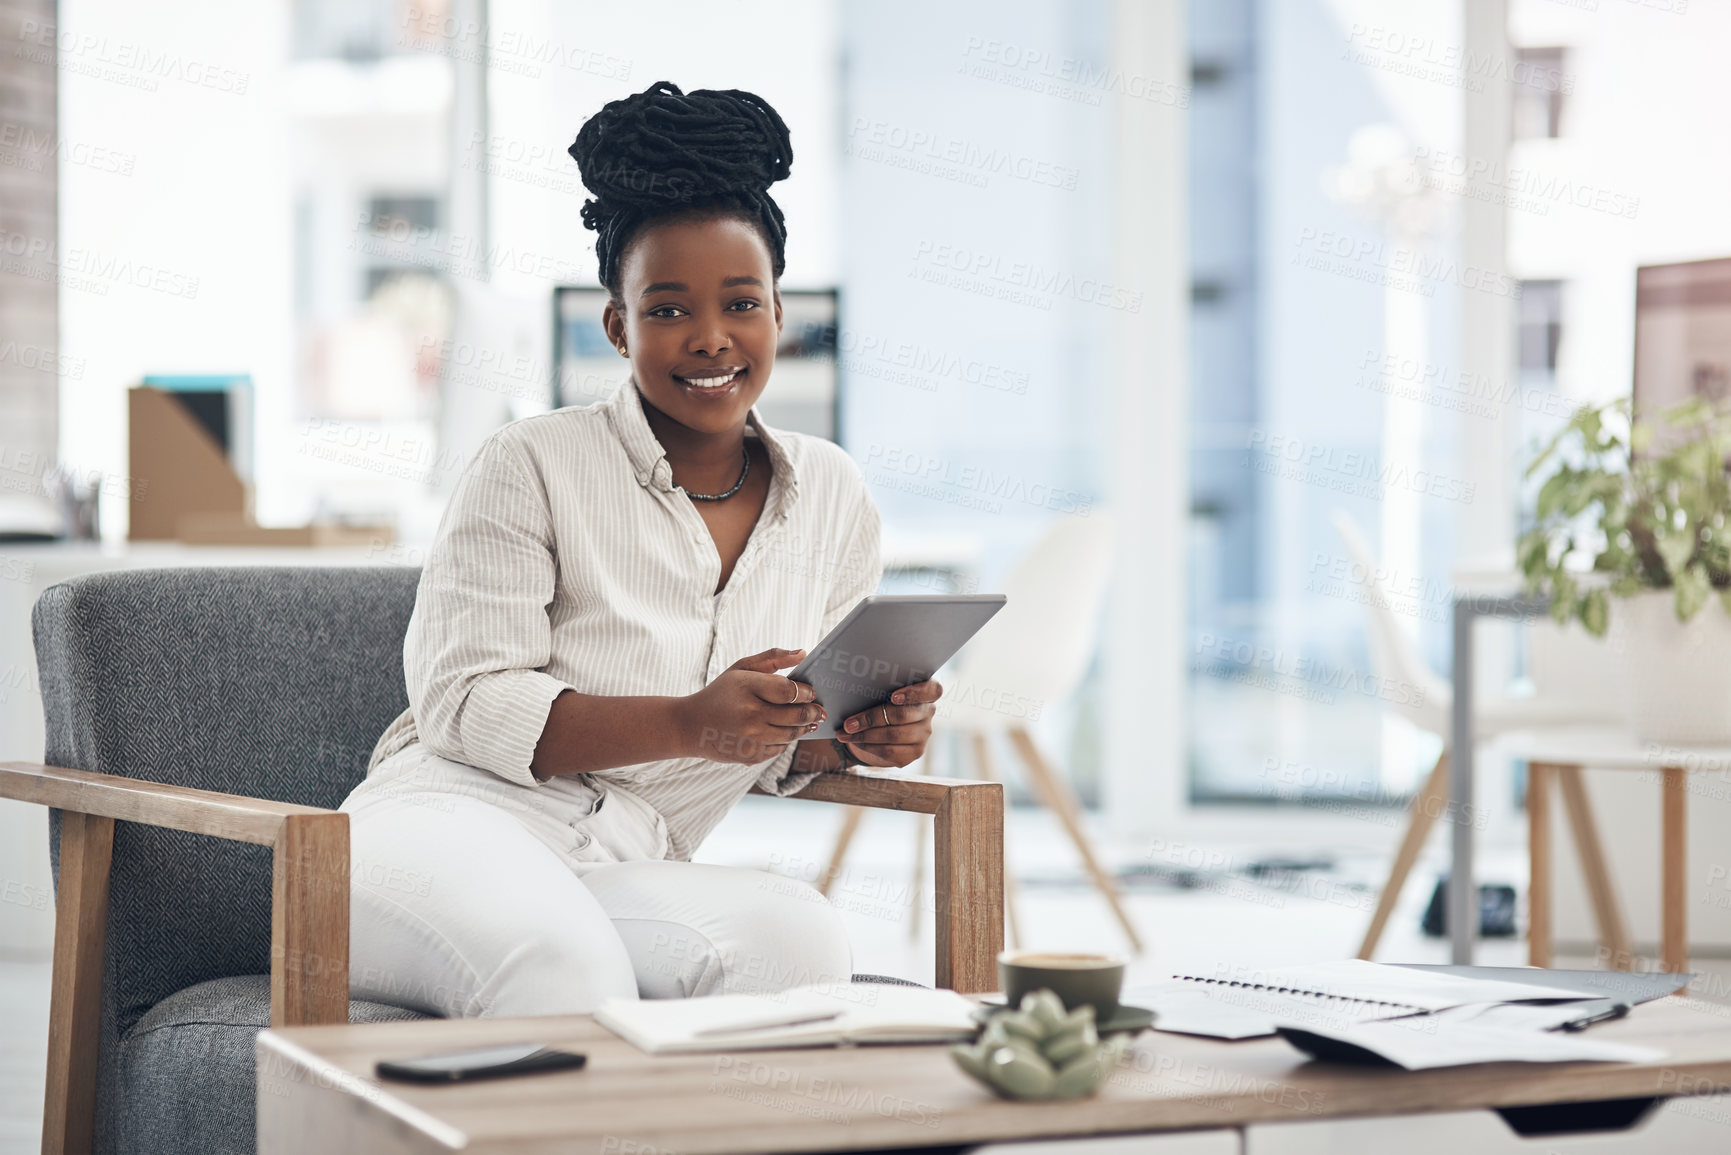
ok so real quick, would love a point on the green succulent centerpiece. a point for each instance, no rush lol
(1646, 503)
(1040, 1051)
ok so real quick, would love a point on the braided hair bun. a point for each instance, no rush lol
(664, 153)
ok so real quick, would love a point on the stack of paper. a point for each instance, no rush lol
(1505, 1033)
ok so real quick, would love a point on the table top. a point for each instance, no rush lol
(837, 1099)
(1610, 748)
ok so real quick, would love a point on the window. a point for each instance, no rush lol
(371, 113)
(1540, 83)
(1541, 327)
(1312, 395)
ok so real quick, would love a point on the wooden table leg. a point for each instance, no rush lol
(1612, 933)
(1539, 947)
(1674, 857)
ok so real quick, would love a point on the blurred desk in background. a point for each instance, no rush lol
(1470, 604)
(1664, 831)
(1557, 757)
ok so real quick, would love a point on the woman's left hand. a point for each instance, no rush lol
(895, 733)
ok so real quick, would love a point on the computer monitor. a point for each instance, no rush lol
(1682, 334)
(804, 394)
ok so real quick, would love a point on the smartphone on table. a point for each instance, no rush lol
(484, 1063)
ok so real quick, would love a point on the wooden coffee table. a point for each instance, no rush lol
(317, 1092)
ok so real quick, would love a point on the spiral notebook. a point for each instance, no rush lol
(1244, 1002)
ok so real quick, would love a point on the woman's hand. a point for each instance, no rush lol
(750, 713)
(893, 734)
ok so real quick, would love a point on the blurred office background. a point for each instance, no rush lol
(367, 207)
(1216, 269)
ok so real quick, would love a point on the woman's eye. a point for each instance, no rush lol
(665, 311)
(742, 306)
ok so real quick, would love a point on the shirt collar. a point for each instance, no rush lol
(649, 460)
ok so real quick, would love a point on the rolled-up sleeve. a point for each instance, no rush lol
(480, 633)
(858, 569)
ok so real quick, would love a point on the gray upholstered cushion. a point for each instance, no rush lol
(184, 1073)
(273, 682)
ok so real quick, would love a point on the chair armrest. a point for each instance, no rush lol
(309, 876)
(882, 789)
(968, 845)
(231, 816)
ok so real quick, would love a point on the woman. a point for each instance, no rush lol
(592, 661)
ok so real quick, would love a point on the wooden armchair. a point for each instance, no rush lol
(198, 679)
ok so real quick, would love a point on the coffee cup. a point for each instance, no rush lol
(1077, 979)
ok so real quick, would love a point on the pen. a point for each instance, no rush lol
(1614, 1011)
(732, 1029)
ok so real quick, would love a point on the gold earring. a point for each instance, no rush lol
(622, 352)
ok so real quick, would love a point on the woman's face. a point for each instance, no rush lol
(700, 319)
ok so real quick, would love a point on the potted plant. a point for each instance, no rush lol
(1639, 511)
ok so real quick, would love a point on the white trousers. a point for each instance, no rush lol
(462, 908)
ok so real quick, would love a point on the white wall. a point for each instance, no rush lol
(784, 50)
(1646, 120)
(194, 92)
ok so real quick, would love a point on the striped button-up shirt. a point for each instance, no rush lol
(567, 558)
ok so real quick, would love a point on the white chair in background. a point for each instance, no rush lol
(1029, 658)
(1430, 705)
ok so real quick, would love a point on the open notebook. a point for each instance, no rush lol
(815, 1016)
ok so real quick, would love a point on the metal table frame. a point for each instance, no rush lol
(1463, 904)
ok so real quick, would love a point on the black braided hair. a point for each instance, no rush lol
(663, 153)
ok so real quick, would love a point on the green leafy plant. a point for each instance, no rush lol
(1648, 502)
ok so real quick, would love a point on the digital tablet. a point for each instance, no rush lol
(886, 642)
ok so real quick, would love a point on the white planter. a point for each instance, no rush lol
(1679, 672)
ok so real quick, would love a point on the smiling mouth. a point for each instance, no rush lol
(719, 380)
